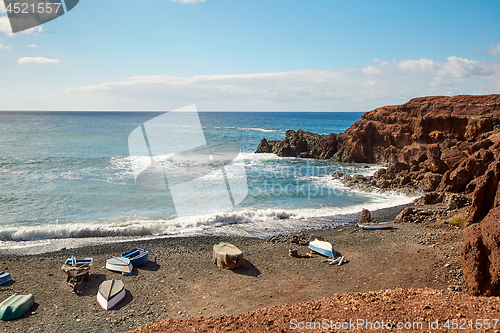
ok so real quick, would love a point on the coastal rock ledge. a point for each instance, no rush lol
(444, 146)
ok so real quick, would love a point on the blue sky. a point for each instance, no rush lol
(231, 55)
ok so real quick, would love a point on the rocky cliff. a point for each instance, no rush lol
(446, 146)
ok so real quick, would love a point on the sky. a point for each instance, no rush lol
(250, 55)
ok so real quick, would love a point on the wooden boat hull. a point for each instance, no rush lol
(111, 292)
(4, 277)
(15, 306)
(376, 226)
(119, 264)
(322, 247)
(137, 256)
(228, 256)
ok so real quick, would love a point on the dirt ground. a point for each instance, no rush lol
(181, 282)
(393, 310)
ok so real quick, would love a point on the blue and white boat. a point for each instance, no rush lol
(322, 247)
(4, 277)
(376, 226)
(137, 256)
(119, 264)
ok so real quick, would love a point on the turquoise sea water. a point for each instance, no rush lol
(68, 174)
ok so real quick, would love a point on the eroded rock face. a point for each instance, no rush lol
(441, 144)
(301, 144)
(481, 255)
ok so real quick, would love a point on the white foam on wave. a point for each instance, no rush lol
(253, 219)
(258, 129)
(239, 223)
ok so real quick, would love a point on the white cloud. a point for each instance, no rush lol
(5, 47)
(370, 70)
(341, 89)
(37, 60)
(493, 50)
(380, 62)
(2, 8)
(440, 82)
(188, 1)
(416, 66)
(31, 45)
(5, 25)
(301, 90)
(454, 67)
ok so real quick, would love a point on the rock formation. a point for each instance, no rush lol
(481, 255)
(436, 145)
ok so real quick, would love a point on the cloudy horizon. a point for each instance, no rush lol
(308, 57)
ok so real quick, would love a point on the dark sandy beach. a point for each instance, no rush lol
(180, 280)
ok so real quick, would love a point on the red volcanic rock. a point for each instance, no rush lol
(431, 181)
(453, 157)
(426, 120)
(481, 255)
(436, 165)
(326, 147)
(485, 196)
(365, 216)
(483, 144)
(443, 144)
(474, 166)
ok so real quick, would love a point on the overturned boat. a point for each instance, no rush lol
(110, 293)
(15, 306)
(322, 247)
(119, 264)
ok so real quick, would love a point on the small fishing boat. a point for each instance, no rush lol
(137, 256)
(119, 264)
(4, 277)
(322, 247)
(376, 226)
(15, 306)
(77, 270)
(228, 256)
(73, 261)
(110, 293)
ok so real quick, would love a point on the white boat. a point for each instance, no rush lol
(119, 264)
(322, 247)
(110, 293)
(376, 226)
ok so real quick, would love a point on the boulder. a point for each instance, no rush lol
(431, 181)
(480, 255)
(365, 216)
(264, 147)
(485, 193)
(453, 157)
(435, 165)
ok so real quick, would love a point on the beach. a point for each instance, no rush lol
(180, 280)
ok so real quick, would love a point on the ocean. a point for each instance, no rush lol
(66, 179)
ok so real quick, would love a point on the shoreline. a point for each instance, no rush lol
(50, 245)
(180, 280)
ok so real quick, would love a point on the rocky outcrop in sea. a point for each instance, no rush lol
(446, 147)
